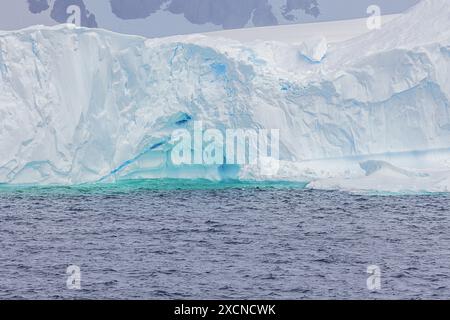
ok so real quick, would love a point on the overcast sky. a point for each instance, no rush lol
(15, 14)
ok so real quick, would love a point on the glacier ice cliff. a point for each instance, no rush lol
(81, 105)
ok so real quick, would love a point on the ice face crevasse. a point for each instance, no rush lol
(79, 105)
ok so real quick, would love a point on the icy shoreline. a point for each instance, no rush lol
(77, 104)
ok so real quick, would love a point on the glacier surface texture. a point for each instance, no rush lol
(370, 113)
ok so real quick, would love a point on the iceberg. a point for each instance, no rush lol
(87, 105)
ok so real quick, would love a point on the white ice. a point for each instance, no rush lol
(82, 105)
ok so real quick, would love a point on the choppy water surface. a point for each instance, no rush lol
(197, 240)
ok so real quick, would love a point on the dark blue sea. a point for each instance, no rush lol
(202, 240)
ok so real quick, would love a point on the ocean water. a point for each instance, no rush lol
(202, 240)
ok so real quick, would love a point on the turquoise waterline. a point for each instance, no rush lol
(133, 185)
(124, 186)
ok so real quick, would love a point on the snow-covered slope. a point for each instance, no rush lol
(334, 31)
(79, 105)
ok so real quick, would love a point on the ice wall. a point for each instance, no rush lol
(80, 105)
